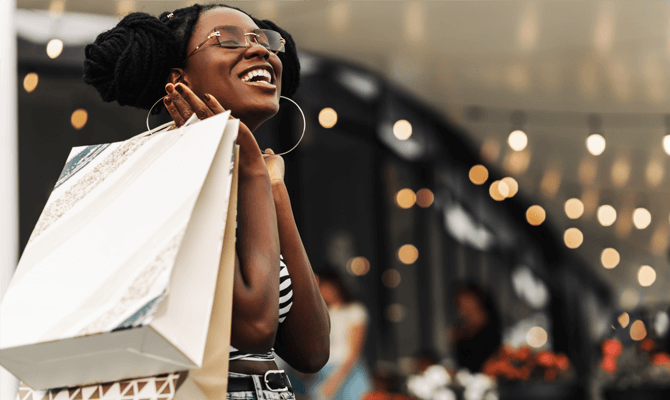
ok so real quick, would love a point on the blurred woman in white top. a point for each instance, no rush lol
(345, 376)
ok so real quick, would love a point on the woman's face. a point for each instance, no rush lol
(220, 71)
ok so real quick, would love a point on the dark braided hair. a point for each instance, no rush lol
(131, 62)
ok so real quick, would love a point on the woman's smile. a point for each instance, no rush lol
(260, 76)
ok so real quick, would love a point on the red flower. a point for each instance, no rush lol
(608, 364)
(562, 362)
(550, 375)
(508, 370)
(522, 353)
(647, 344)
(612, 347)
(506, 351)
(524, 373)
(545, 359)
(491, 367)
(660, 359)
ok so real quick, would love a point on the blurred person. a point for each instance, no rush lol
(345, 376)
(478, 332)
(209, 59)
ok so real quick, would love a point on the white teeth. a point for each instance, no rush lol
(258, 72)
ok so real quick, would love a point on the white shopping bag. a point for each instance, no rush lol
(118, 278)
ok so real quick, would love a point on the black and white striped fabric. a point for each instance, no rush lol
(285, 303)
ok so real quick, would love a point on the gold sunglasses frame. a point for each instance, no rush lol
(246, 36)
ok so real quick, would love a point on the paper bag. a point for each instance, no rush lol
(118, 278)
(210, 382)
(207, 383)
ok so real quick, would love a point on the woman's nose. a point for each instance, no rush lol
(254, 48)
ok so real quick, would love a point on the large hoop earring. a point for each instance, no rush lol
(304, 123)
(151, 109)
(304, 126)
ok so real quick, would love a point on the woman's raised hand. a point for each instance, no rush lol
(275, 166)
(181, 103)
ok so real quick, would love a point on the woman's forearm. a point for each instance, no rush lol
(307, 327)
(256, 283)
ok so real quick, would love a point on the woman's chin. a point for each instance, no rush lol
(258, 116)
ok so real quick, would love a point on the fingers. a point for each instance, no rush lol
(213, 104)
(193, 102)
(174, 112)
(268, 152)
(181, 103)
(183, 108)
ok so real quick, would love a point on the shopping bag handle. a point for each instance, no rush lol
(168, 125)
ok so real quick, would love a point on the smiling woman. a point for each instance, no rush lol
(209, 59)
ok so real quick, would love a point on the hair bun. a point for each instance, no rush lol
(131, 62)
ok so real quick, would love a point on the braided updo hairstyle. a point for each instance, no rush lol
(131, 62)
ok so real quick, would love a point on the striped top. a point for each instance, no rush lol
(285, 303)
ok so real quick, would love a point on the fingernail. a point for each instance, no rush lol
(169, 88)
(168, 101)
(208, 97)
(179, 88)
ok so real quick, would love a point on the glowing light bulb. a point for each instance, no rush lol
(479, 174)
(624, 319)
(405, 198)
(666, 144)
(402, 129)
(535, 215)
(574, 208)
(573, 238)
(517, 140)
(54, 48)
(595, 144)
(327, 117)
(536, 337)
(638, 331)
(646, 275)
(30, 82)
(610, 258)
(498, 190)
(606, 215)
(358, 266)
(512, 184)
(424, 198)
(641, 218)
(79, 118)
(408, 254)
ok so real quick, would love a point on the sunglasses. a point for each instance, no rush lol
(232, 37)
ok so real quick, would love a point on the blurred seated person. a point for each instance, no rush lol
(477, 333)
(345, 376)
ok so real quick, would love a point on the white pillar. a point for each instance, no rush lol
(9, 167)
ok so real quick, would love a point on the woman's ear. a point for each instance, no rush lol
(176, 76)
